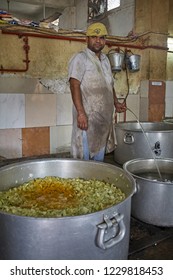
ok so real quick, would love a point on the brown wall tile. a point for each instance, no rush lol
(156, 92)
(156, 112)
(156, 100)
(35, 141)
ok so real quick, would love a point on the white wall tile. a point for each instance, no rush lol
(143, 112)
(169, 99)
(12, 110)
(169, 107)
(132, 111)
(133, 106)
(169, 89)
(11, 143)
(64, 109)
(144, 88)
(60, 138)
(40, 110)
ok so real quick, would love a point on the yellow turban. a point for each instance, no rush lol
(96, 29)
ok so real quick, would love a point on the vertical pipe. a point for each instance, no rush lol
(8, 3)
(44, 10)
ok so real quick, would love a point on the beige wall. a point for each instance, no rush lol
(48, 57)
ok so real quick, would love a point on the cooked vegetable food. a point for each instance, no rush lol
(58, 197)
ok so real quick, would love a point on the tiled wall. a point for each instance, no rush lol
(161, 97)
(132, 113)
(34, 124)
(12, 111)
(143, 102)
(156, 109)
(169, 99)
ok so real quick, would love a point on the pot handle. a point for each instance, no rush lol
(137, 187)
(129, 138)
(116, 51)
(117, 225)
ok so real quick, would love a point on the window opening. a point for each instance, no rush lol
(97, 8)
(170, 44)
(112, 4)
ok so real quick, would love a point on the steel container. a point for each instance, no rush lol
(116, 60)
(99, 235)
(133, 62)
(167, 120)
(152, 202)
(143, 140)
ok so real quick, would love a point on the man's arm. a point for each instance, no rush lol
(82, 120)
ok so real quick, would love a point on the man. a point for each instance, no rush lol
(93, 95)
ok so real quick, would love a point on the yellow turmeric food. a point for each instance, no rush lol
(58, 197)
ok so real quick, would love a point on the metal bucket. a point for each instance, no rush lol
(116, 60)
(133, 62)
(153, 201)
(99, 235)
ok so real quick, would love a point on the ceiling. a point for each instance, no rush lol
(35, 10)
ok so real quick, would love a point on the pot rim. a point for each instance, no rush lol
(136, 160)
(24, 162)
(168, 127)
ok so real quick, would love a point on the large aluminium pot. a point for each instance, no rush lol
(99, 235)
(153, 200)
(143, 140)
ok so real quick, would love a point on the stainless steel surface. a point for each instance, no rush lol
(156, 141)
(133, 62)
(116, 60)
(153, 200)
(168, 120)
(100, 235)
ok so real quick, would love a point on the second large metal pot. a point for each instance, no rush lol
(100, 235)
(153, 201)
(143, 140)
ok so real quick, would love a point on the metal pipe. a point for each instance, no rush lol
(26, 60)
(111, 44)
(69, 38)
(46, 36)
(44, 10)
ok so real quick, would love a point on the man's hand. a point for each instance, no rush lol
(82, 121)
(120, 107)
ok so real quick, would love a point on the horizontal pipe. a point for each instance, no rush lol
(46, 36)
(69, 38)
(111, 44)
(26, 60)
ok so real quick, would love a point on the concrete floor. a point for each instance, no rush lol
(162, 250)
